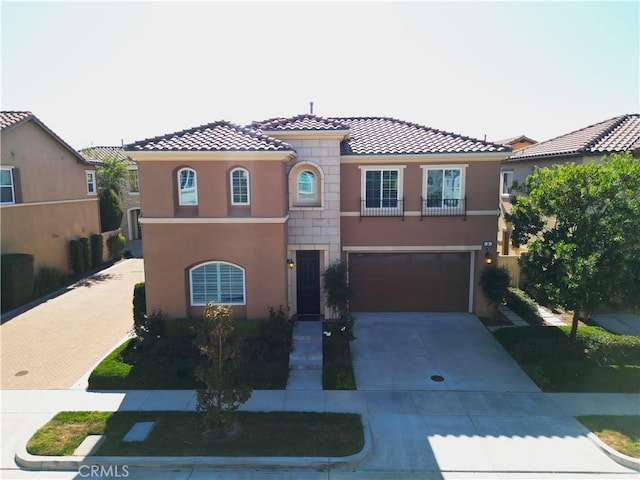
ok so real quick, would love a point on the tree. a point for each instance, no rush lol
(581, 224)
(111, 174)
(222, 368)
(495, 284)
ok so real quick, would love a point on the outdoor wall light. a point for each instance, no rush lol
(488, 259)
(290, 263)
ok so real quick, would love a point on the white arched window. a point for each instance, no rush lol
(307, 187)
(239, 186)
(220, 282)
(187, 187)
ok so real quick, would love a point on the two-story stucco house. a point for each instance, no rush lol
(252, 215)
(48, 192)
(591, 143)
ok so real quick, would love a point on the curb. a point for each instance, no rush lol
(621, 458)
(27, 461)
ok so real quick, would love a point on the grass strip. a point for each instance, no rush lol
(622, 433)
(281, 434)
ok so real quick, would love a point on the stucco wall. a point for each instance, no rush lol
(47, 170)
(52, 202)
(44, 230)
(266, 179)
(171, 250)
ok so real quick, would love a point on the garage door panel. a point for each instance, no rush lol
(409, 281)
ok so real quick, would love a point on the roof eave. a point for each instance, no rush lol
(208, 155)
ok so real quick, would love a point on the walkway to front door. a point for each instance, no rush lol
(308, 282)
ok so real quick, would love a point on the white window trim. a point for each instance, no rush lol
(308, 199)
(94, 183)
(13, 186)
(195, 187)
(129, 170)
(295, 203)
(463, 181)
(244, 284)
(363, 186)
(233, 202)
(502, 183)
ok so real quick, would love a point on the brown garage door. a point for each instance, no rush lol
(409, 282)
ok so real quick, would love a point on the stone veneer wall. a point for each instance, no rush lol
(318, 227)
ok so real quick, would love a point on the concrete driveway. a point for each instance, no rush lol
(403, 351)
(53, 344)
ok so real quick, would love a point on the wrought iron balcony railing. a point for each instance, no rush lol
(444, 207)
(382, 208)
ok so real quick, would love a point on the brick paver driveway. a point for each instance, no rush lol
(55, 343)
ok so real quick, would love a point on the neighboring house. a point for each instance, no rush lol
(252, 216)
(130, 189)
(516, 143)
(48, 192)
(615, 135)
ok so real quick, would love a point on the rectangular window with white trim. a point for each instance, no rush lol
(7, 188)
(506, 186)
(91, 182)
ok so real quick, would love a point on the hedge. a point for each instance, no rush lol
(522, 304)
(17, 277)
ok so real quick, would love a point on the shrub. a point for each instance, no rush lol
(17, 277)
(605, 348)
(110, 211)
(337, 289)
(494, 282)
(522, 304)
(139, 308)
(86, 254)
(115, 245)
(79, 255)
(97, 247)
(47, 280)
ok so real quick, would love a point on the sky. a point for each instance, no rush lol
(103, 73)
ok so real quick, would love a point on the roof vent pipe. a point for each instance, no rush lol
(311, 108)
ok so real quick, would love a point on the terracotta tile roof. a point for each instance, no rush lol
(97, 155)
(512, 140)
(616, 134)
(219, 136)
(9, 119)
(300, 123)
(389, 136)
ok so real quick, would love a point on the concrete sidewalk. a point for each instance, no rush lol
(444, 434)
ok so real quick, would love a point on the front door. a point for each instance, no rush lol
(308, 282)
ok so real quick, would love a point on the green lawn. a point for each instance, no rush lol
(170, 361)
(287, 434)
(622, 433)
(596, 361)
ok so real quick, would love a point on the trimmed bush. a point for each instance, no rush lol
(115, 245)
(47, 280)
(97, 247)
(110, 211)
(522, 304)
(17, 277)
(86, 254)
(139, 308)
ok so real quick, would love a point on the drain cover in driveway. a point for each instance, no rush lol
(437, 378)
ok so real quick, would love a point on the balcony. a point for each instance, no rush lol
(383, 208)
(448, 207)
